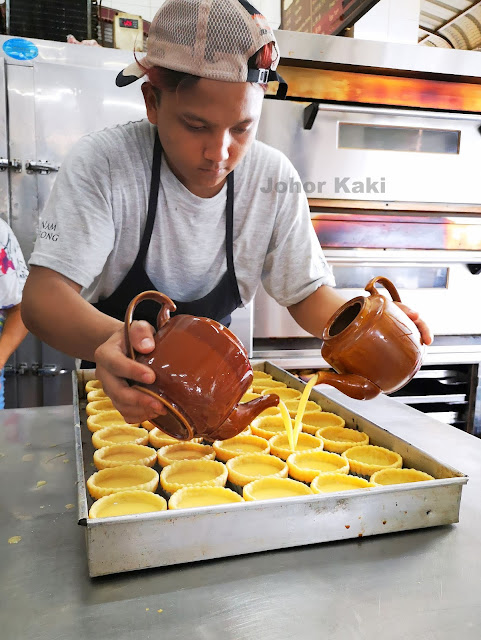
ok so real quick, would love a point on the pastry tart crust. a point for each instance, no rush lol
(126, 503)
(193, 497)
(306, 465)
(127, 477)
(251, 466)
(117, 434)
(339, 439)
(280, 444)
(119, 454)
(366, 460)
(274, 488)
(240, 445)
(186, 473)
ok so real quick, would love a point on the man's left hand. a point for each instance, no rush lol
(424, 330)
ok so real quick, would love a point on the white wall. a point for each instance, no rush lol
(148, 8)
(390, 21)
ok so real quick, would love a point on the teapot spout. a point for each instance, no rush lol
(243, 414)
(351, 384)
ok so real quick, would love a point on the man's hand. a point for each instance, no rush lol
(424, 330)
(113, 367)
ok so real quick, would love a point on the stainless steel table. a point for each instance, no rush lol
(418, 585)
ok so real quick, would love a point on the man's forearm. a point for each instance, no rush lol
(54, 311)
(14, 332)
(313, 312)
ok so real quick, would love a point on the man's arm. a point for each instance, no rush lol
(54, 311)
(13, 334)
(313, 313)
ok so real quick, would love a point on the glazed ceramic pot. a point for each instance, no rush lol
(372, 345)
(201, 372)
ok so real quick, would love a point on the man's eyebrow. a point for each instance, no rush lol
(193, 116)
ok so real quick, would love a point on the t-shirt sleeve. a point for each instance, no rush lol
(295, 265)
(13, 270)
(76, 229)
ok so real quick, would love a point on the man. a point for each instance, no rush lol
(176, 203)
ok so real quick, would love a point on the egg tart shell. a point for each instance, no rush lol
(399, 476)
(283, 487)
(175, 475)
(241, 470)
(159, 439)
(258, 386)
(339, 439)
(284, 394)
(131, 454)
(97, 406)
(240, 445)
(366, 460)
(150, 501)
(184, 451)
(268, 426)
(104, 419)
(130, 476)
(324, 483)
(314, 421)
(106, 437)
(194, 497)
(91, 385)
(259, 375)
(280, 444)
(97, 394)
(306, 465)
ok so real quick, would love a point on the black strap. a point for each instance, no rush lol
(153, 199)
(229, 235)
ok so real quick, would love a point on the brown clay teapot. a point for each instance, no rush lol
(372, 345)
(201, 372)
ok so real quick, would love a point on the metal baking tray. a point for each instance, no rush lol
(143, 541)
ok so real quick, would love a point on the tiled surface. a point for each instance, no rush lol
(390, 21)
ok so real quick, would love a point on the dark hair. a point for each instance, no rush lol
(163, 79)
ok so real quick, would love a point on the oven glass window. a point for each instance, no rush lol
(363, 136)
(355, 277)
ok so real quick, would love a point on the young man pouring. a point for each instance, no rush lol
(176, 203)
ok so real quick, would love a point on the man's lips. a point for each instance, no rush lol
(214, 172)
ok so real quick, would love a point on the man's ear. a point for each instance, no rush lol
(150, 102)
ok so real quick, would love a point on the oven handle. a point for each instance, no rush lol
(432, 259)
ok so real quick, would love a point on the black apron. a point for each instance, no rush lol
(218, 304)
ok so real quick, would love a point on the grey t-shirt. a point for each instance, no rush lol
(92, 225)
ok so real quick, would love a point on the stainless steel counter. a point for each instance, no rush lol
(423, 584)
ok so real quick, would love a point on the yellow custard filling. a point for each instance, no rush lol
(399, 476)
(127, 503)
(118, 435)
(315, 421)
(184, 451)
(193, 472)
(366, 460)
(339, 439)
(333, 482)
(120, 478)
(280, 445)
(118, 454)
(191, 497)
(272, 488)
(243, 469)
(305, 466)
(240, 445)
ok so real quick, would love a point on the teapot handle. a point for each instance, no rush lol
(162, 317)
(371, 287)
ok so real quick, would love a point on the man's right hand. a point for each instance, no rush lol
(114, 367)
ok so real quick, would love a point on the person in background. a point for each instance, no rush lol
(13, 275)
(178, 202)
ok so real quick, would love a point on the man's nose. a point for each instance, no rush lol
(217, 149)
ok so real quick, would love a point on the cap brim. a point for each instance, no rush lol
(130, 74)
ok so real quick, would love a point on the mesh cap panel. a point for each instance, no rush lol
(207, 38)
